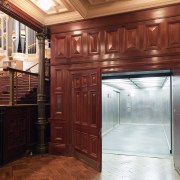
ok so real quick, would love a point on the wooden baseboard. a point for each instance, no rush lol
(94, 164)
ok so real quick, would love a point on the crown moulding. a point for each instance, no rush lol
(32, 16)
(18, 14)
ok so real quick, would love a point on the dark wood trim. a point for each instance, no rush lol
(16, 13)
(124, 18)
(21, 71)
(87, 160)
(19, 134)
(138, 41)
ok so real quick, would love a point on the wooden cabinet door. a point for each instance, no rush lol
(176, 118)
(86, 111)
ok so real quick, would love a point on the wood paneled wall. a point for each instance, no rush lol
(18, 129)
(153, 38)
(142, 40)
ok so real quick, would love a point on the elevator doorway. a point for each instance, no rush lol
(136, 114)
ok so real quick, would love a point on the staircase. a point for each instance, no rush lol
(25, 89)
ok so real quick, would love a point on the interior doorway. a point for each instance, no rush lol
(136, 113)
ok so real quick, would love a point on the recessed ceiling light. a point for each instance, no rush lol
(45, 5)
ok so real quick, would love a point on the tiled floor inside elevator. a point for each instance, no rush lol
(123, 167)
(143, 140)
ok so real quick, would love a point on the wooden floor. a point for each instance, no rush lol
(115, 167)
(47, 167)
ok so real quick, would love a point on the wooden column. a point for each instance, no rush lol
(42, 145)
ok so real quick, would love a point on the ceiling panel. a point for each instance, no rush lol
(138, 83)
(61, 11)
(52, 6)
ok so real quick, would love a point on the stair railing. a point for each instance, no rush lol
(17, 79)
(29, 75)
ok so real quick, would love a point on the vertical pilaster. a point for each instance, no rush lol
(42, 145)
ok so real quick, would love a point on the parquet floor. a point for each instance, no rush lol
(115, 167)
(47, 167)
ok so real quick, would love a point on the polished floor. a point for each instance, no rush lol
(143, 140)
(115, 167)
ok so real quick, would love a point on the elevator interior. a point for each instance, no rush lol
(136, 113)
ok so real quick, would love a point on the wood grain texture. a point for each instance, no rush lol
(19, 132)
(86, 115)
(121, 39)
(137, 41)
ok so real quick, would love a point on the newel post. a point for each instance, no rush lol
(42, 145)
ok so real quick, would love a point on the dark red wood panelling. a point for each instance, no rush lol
(87, 137)
(93, 146)
(76, 45)
(152, 37)
(138, 41)
(174, 34)
(18, 130)
(59, 134)
(57, 87)
(59, 123)
(85, 81)
(112, 41)
(125, 18)
(131, 39)
(122, 40)
(77, 139)
(61, 46)
(93, 42)
(85, 114)
(84, 142)
(77, 99)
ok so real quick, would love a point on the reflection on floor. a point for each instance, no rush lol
(144, 140)
(115, 167)
(121, 167)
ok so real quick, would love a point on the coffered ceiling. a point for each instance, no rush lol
(72, 10)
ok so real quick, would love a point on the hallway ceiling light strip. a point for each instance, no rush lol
(136, 83)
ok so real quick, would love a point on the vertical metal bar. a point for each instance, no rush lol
(171, 112)
(11, 101)
(16, 78)
(29, 82)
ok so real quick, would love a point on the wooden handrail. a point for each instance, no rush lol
(31, 67)
(15, 75)
(20, 71)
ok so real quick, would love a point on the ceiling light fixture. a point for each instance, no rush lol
(45, 5)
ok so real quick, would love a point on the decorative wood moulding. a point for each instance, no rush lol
(93, 43)
(129, 42)
(112, 41)
(140, 40)
(131, 39)
(174, 34)
(152, 36)
(15, 12)
(76, 45)
(85, 98)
